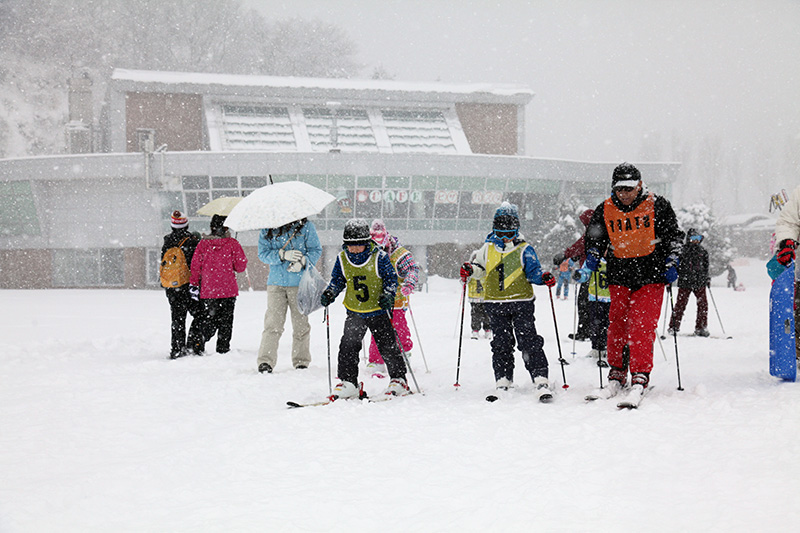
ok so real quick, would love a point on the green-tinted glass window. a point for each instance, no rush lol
(17, 209)
(496, 184)
(421, 183)
(318, 181)
(370, 182)
(474, 184)
(398, 182)
(450, 182)
(343, 182)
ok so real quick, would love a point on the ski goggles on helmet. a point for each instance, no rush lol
(506, 233)
(696, 238)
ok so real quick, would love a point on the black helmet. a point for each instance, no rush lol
(356, 232)
(693, 233)
(625, 175)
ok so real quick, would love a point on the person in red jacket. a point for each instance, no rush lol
(216, 260)
(638, 231)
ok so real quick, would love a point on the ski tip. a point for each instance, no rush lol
(293, 405)
(492, 398)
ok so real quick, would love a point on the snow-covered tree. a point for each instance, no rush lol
(720, 249)
(44, 42)
(565, 230)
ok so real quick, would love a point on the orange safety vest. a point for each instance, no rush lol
(632, 234)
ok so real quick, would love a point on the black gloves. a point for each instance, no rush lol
(386, 301)
(327, 297)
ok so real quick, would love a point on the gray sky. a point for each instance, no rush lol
(605, 73)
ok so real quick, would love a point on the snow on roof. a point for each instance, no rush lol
(747, 219)
(510, 92)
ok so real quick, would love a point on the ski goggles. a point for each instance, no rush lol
(506, 233)
(696, 238)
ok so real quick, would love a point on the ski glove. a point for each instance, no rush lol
(671, 274)
(297, 266)
(194, 292)
(548, 279)
(406, 290)
(592, 259)
(327, 297)
(291, 256)
(581, 275)
(786, 250)
(386, 300)
(466, 271)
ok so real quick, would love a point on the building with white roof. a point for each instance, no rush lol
(433, 160)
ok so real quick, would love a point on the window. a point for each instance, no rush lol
(199, 190)
(353, 130)
(418, 131)
(17, 209)
(257, 128)
(88, 268)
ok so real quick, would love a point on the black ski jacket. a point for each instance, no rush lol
(693, 270)
(636, 272)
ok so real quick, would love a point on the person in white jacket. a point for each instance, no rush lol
(787, 235)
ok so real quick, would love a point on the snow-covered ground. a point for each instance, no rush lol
(100, 432)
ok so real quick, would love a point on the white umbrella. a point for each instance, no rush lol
(276, 205)
(219, 206)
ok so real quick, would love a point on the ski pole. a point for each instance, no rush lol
(463, 297)
(558, 341)
(716, 311)
(675, 336)
(405, 356)
(461, 334)
(419, 342)
(575, 319)
(327, 319)
(660, 343)
(664, 326)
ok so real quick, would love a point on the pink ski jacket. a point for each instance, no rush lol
(215, 262)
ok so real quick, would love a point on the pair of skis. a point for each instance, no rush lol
(330, 399)
(627, 400)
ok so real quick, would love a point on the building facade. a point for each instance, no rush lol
(433, 160)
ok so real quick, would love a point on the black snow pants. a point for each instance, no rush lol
(181, 304)
(217, 319)
(512, 321)
(355, 327)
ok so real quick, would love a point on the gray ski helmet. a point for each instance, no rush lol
(506, 217)
(356, 231)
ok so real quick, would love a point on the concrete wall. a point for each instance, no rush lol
(490, 128)
(176, 118)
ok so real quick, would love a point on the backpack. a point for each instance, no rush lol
(174, 270)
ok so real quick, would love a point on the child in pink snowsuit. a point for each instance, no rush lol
(407, 277)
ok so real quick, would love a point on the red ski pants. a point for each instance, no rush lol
(633, 320)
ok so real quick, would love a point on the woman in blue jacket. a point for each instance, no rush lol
(287, 250)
